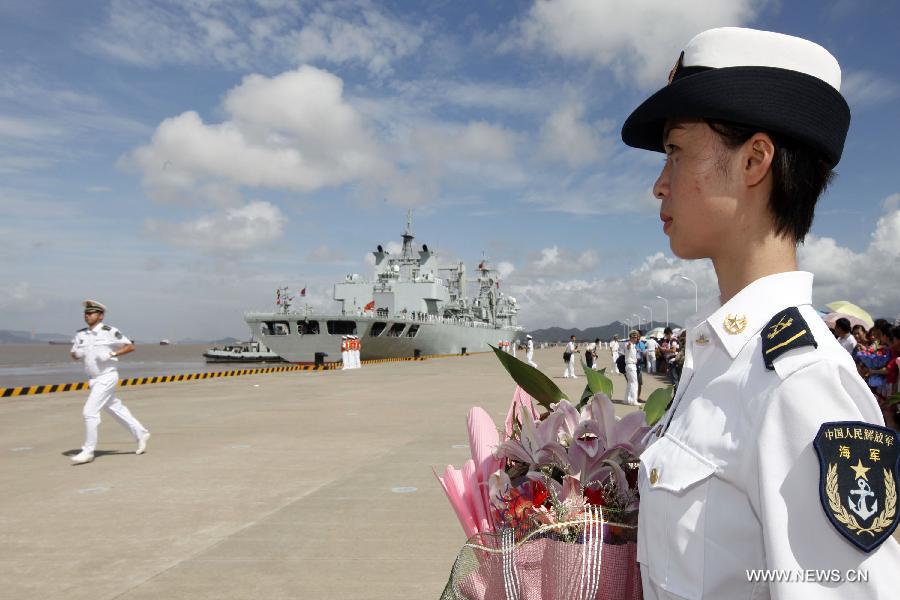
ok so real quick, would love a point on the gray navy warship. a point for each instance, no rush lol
(412, 306)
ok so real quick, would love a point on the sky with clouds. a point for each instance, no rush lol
(178, 161)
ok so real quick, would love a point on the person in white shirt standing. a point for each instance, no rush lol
(569, 359)
(652, 345)
(99, 346)
(631, 374)
(529, 351)
(614, 348)
(842, 328)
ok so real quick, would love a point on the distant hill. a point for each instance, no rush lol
(11, 336)
(604, 332)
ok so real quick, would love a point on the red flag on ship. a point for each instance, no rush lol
(370, 305)
(303, 293)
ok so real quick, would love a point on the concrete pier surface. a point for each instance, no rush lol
(285, 486)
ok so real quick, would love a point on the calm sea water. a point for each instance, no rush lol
(36, 364)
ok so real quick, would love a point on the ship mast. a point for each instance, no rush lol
(408, 237)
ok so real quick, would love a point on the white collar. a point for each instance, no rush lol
(756, 304)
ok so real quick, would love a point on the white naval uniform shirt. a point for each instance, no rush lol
(848, 342)
(95, 345)
(735, 476)
(631, 353)
(530, 346)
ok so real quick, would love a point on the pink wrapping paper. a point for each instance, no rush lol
(551, 570)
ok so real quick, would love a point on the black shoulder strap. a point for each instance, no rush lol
(785, 331)
(107, 328)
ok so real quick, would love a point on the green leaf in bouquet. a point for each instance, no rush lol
(534, 382)
(598, 381)
(586, 396)
(893, 399)
(657, 403)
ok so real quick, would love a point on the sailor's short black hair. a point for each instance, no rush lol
(800, 176)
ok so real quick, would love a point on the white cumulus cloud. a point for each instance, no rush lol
(639, 40)
(566, 136)
(233, 229)
(292, 131)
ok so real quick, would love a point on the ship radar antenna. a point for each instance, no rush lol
(408, 237)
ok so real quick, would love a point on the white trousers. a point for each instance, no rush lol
(103, 395)
(651, 362)
(529, 358)
(345, 360)
(570, 367)
(631, 386)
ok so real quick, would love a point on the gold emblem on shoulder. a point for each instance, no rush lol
(701, 340)
(735, 324)
(779, 327)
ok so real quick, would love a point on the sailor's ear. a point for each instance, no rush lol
(756, 156)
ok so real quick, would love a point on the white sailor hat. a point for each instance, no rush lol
(92, 306)
(782, 84)
(343, 337)
(528, 336)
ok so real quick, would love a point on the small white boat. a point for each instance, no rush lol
(243, 352)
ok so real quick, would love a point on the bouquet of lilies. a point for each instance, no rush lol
(549, 503)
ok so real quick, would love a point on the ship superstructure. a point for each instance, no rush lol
(412, 305)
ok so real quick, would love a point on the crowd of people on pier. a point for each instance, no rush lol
(875, 350)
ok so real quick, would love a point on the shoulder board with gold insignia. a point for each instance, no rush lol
(858, 474)
(107, 328)
(786, 331)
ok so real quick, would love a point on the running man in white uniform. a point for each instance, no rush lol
(99, 346)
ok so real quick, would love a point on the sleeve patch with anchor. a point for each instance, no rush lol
(786, 331)
(858, 480)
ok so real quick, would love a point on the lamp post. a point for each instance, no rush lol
(667, 308)
(638, 317)
(650, 326)
(696, 305)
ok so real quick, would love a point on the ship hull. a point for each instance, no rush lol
(377, 342)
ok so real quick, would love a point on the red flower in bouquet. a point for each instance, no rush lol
(539, 493)
(594, 495)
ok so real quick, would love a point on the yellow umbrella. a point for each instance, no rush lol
(848, 308)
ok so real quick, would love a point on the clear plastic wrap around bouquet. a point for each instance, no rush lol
(549, 504)
(589, 558)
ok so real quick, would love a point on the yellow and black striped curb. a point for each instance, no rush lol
(81, 385)
(30, 390)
